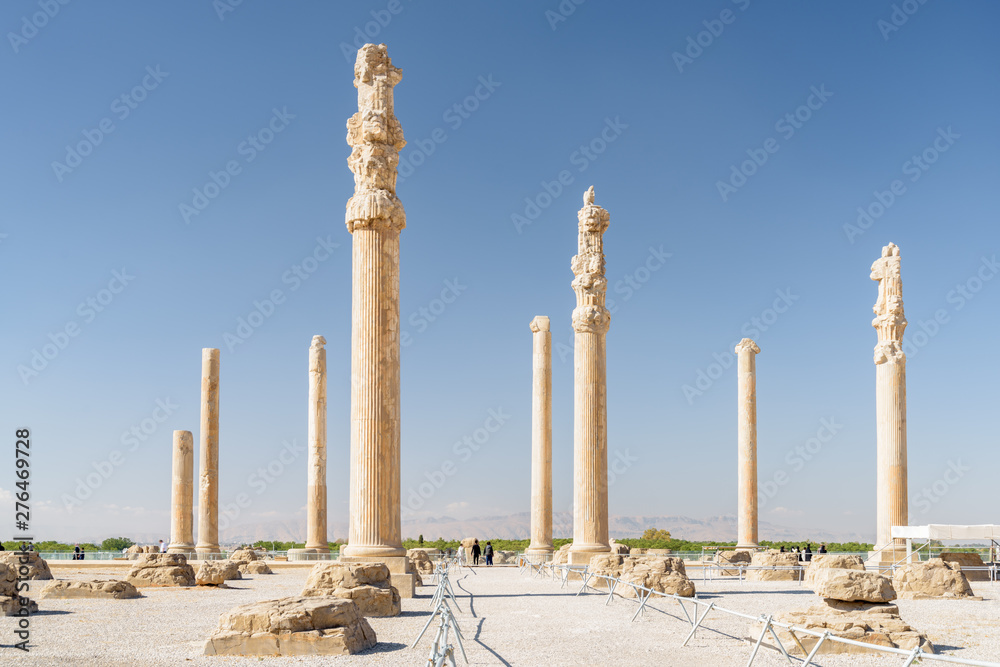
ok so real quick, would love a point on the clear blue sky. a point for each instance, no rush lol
(676, 117)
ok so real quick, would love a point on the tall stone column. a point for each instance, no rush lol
(591, 322)
(316, 542)
(890, 403)
(747, 352)
(208, 471)
(375, 218)
(182, 495)
(541, 439)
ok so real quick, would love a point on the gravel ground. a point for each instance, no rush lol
(510, 619)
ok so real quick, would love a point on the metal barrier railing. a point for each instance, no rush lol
(644, 594)
(441, 648)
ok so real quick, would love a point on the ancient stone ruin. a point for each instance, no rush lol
(152, 570)
(368, 584)
(292, 626)
(107, 590)
(935, 579)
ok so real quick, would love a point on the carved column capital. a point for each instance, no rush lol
(889, 321)
(747, 344)
(540, 323)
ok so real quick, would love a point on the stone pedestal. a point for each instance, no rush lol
(591, 321)
(746, 515)
(208, 471)
(541, 439)
(400, 569)
(890, 403)
(182, 495)
(375, 218)
(316, 541)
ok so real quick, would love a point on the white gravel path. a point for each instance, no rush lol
(514, 620)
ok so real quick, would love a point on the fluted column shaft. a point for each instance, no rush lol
(591, 321)
(892, 506)
(182, 494)
(208, 471)
(747, 352)
(375, 218)
(541, 438)
(316, 490)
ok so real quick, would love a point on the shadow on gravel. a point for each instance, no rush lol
(384, 647)
(479, 628)
(51, 612)
(719, 594)
(411, 614)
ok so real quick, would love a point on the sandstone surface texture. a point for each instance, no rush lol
(367, 584)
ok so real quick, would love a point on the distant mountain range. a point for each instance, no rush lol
(518, 526)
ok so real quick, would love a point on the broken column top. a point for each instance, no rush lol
(317, 343)
(889, 321)
(747, 344)
(540, 323)
(376, 138)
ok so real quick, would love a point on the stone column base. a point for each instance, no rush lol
(209, 553)
(889, 556)
(186, 550)
(583, 557)
(312, 553)
(400, 569)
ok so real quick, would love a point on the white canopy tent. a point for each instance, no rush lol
(939, 531)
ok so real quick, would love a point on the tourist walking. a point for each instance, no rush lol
(163, 547)
(822, 548)
(782, 550)
(83, 552)
(489, 554)
(475, 552)
(808, 552)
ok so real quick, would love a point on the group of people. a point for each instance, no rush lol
(487, 553)
(805, 553)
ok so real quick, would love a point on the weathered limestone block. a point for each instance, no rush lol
(933, 579)
(658, 552)
(254, 567)
(133, 552)
(637, 551)
(561, 556)
(852, 585)
(367, 584)
(877, 624)
(114, 590)
(620, 549)
(243, 555)
(8, 580)
(967, 560)
(774, 559)
(504, 557)
(217, 572)
(421, 561)
(37, 567)
(292, 626)
(731, 557)
(659, 573)
(467, 545)
(11, 605)
(161, 570)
